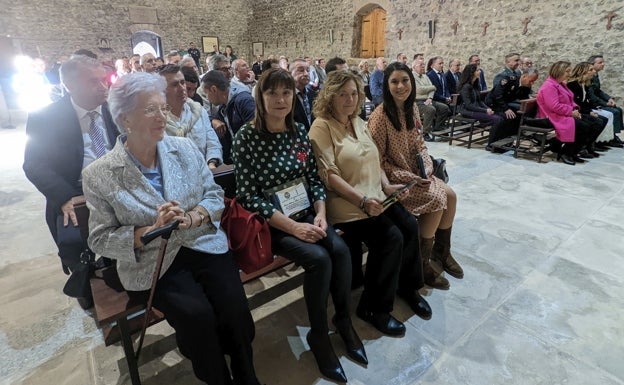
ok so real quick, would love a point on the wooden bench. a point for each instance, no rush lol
(460, 128)
(119, 316)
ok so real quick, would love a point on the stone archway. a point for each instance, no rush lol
(369, 38)
(145, 41)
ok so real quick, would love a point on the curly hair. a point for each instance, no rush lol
(334, 82)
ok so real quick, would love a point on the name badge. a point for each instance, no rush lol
(291, 198)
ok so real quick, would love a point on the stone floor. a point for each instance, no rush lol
(542, 301)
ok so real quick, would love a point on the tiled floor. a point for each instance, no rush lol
(542, 301)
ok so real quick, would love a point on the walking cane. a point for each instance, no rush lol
(164, 233)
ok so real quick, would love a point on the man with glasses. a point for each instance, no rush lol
(525, 64)
(188, 118)
(63, 138)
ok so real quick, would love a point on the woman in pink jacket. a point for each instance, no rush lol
(556, 102)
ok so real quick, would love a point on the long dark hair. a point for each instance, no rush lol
(390, 107)
(270, 80)
(467, 75)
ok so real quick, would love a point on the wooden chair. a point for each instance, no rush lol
(533, 134)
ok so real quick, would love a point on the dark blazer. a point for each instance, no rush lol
(471, 101)
(596, 95)
(54, 154)
(451, 82)
(299, 114)
(584, 103)
(441, 93)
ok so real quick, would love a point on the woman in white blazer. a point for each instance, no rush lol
(148, 180)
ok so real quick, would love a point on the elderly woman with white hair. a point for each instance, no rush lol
(149, 180)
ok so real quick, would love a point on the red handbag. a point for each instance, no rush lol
(249, 236)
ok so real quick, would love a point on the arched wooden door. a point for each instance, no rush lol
(374, 33)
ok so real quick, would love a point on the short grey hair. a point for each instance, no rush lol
(216, 60)
(122, 96)
(187, 59)
(70, 68)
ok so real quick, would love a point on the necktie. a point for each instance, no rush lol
(95, 133)
(444, 89)
(306, 106)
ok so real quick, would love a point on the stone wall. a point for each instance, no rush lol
(559, 29)
(51, 28)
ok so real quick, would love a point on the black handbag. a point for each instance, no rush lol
(439, 168)
(78, 285)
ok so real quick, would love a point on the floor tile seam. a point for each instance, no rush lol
(534, 334)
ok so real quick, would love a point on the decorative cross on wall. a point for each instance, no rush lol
(400, 33)
(454, 26)
(485, 27)
(525, 23)
(610, 17)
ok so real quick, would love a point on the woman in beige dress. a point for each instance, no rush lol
(396, 128)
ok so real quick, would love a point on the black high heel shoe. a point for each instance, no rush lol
(577, 159)
(355, 348)
(566, 159)
(326, 358)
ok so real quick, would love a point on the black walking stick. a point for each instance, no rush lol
(164, 233)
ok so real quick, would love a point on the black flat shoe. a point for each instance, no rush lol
(384, 322)
(567, 159)
(417, 303)
(326, 359)
(355, 348)
(585, 155)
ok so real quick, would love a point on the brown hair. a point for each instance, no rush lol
(334, 82)
(270, 80)
(558, 69)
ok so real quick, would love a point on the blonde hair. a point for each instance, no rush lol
(334, 82)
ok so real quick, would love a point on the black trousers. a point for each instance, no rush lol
(394, 261)
(586, 130)
(327, 265)
(202, 298)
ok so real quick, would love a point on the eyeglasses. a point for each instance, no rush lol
(151, 111)
(225, 69)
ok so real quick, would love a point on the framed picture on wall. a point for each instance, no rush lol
(257, 48)
(210, 44)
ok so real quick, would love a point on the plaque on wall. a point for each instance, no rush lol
(210, 44)
(143, 15)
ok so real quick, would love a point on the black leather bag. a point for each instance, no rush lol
(439, 168)
(78, 285)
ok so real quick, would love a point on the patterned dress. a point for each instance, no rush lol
(267, 160)
(398, 151)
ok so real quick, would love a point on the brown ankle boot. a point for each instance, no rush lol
(441, 254)
(433, 277)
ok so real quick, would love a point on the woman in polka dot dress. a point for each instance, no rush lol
(396, 129)
(273, 158)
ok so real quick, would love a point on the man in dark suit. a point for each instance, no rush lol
(436, 75)
(452, 76)
(299, 69)
(63, 138)
(604, 101)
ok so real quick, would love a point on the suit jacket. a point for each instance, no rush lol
(580, 98)
(482, 82)
(596, 95)
(299, 114)
(120, 198)
(441, 93)
(451, 82)
(54, 154)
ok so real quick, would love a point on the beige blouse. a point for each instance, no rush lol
(354, 159)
